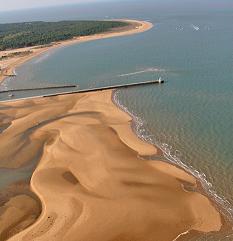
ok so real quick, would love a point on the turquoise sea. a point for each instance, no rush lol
(190, 46)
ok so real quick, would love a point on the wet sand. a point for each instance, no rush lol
(92, 179)
(8, 65)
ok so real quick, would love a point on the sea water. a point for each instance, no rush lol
(190, 47)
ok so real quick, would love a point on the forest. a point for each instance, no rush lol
(19, 35)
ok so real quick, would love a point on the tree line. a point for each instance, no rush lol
(19, 35)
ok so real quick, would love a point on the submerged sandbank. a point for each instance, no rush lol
(92, 180)
(8, 65)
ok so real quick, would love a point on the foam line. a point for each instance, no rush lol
(141, 132)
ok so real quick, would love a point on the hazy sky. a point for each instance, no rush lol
(6, 5)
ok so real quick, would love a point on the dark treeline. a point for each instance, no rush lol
(19, 35)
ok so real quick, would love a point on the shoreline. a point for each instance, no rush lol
(203, 185)
(9, 65)
(120, 121)
(129, 141)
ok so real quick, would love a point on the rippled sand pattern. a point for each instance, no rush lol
(92, 180)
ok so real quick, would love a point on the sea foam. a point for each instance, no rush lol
(174, 156)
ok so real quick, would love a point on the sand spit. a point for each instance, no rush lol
(8, 65)
(92, 180)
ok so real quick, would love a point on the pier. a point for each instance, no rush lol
(39, 88)
(111, 87)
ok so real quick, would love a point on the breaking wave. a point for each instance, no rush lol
(175, 157)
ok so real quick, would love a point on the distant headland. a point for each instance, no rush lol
(19, 42)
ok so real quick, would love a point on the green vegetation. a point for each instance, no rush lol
(19, 35)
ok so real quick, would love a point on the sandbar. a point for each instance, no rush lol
(92, 179)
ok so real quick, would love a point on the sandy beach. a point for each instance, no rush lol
(95, 179)
(8, 65)
(92, 179)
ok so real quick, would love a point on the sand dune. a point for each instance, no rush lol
(92, 180)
